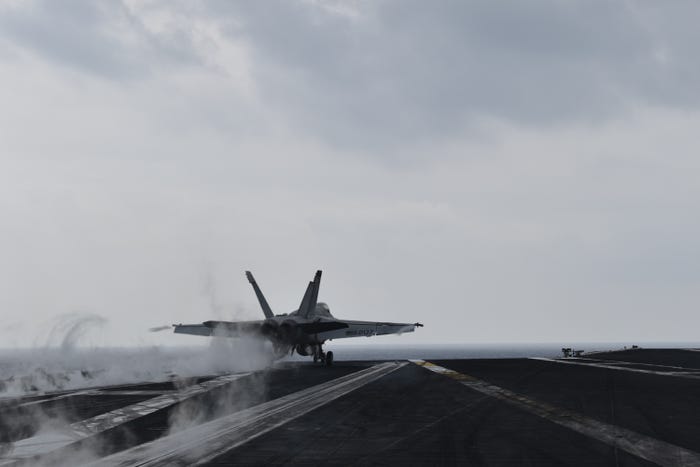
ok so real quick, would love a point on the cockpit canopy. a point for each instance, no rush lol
(322, 310)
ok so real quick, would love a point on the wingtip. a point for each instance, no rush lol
(250, 277)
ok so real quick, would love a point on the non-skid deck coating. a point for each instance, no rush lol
(598, 410)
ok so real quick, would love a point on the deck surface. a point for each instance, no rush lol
(633, 407)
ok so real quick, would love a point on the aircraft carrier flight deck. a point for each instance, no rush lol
(629, 407)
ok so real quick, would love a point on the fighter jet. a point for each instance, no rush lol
(304, 330)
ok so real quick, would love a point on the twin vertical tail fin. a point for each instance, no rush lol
(308, 303)
(261, 298)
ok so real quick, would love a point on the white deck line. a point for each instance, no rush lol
(74, 391)
(679, 374)
(96, 392)
(646, 447)
(623, 363)
(203, 443)
(42, 444)
(55, 398)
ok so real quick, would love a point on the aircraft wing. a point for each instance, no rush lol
(248, 328)
(367, 328)
(221, 328)
(331, 329)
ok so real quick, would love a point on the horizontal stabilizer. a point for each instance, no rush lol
(322, 326)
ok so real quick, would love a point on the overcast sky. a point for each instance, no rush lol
(501, 171)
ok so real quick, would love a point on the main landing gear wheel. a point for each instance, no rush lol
(329, 358)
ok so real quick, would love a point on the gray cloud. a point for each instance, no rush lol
(101, 37)
(397, 71)
(376, 75)
(147, 145)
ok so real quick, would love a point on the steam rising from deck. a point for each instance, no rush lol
(61, 363)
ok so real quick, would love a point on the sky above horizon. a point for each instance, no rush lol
(500, 171)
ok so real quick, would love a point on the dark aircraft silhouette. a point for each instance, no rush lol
(304, 330)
